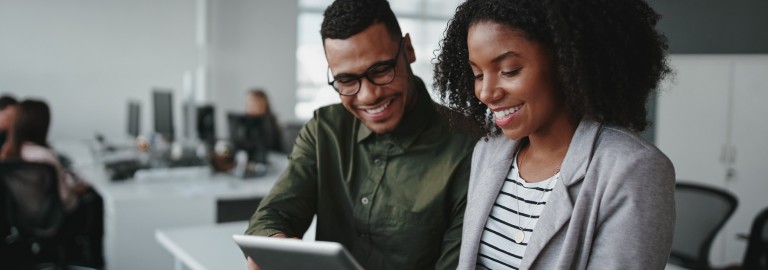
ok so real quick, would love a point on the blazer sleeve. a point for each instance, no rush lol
(637, 215)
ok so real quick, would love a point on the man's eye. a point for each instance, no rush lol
(380, 70)
(346, 81)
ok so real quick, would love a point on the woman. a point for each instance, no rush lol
(257, 105)
(28, 141)
(571, 184)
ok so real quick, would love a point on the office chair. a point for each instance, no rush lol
(34, 213)
(756, 257)
(701, 213)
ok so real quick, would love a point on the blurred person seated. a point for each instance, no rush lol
(257, 105)
(7, 109)
(27, 140)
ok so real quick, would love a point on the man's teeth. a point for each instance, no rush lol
(504, 113)
(379, 109)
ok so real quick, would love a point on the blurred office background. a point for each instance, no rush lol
(89, 58)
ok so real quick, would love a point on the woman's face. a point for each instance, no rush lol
(255, 105)
(515, 78)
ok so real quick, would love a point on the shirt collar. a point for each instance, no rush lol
(412, 124)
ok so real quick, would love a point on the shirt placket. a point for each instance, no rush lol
(367, 198)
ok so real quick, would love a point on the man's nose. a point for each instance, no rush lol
(369, 93)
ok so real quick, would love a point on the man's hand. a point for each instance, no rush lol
(252, 265)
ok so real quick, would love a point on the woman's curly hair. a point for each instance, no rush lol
(608, 57)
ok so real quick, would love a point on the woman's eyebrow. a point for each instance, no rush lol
(505, 55)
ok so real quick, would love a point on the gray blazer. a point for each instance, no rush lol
(616, 211)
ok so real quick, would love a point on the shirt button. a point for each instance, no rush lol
(377, 162)
(365, 200)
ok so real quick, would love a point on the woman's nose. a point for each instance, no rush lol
(488, 91)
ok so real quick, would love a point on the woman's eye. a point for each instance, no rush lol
(510, 73)
(479, 77)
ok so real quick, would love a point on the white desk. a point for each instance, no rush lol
(209, 247)
(190, 246)
(134, 210)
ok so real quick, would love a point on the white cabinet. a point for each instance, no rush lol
(712, 122)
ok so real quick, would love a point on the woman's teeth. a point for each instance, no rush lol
(379, 109)
(505, 113)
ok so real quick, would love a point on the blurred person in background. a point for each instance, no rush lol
(257, 105)
(7, 109)
(28, 141)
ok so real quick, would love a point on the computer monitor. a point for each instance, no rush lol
(247, 133)
(206, 124)
(133, 119)
(163, 104)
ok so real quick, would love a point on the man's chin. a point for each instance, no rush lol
(382, 127)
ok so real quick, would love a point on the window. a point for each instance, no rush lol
(425, 20)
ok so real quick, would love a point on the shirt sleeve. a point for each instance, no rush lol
(292, 202)
(449, 255)
(637, 222)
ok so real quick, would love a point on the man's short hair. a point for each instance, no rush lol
(6, 101)
(346, 18)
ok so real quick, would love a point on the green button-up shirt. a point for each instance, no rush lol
(395, 201)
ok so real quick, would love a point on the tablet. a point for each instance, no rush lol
(293, 254)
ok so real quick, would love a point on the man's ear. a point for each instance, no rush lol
(409, 53)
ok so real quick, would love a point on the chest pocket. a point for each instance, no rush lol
(412, 236)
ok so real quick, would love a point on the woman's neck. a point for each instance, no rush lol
(546, 150)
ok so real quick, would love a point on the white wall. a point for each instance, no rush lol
(87, 58)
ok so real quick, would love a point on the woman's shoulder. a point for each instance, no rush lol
(617, 140)
(623, 152)
(37, 153)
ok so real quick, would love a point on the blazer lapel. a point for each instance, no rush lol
(559, 207)
(487, 189)
(553, 217)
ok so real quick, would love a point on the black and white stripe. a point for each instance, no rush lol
(498, 250)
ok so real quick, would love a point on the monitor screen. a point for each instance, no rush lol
(163, 101)
(206, 128)
(247, 133)
(133, 118)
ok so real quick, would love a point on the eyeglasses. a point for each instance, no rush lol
(381, 73)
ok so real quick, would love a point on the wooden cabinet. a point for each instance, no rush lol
(712, 122)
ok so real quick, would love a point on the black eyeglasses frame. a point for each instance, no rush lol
(392, 63)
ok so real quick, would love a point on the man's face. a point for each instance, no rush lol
(6, 118)
(380, 107)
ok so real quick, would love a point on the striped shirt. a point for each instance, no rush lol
(498, 250)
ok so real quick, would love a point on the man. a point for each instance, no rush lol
(381, 170)
(6, 117)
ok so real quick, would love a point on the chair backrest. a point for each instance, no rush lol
(756, 257)
(32, 201)
(701, 213)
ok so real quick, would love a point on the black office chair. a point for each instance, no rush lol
(34, 213)
(701, 213)
(756, 257)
